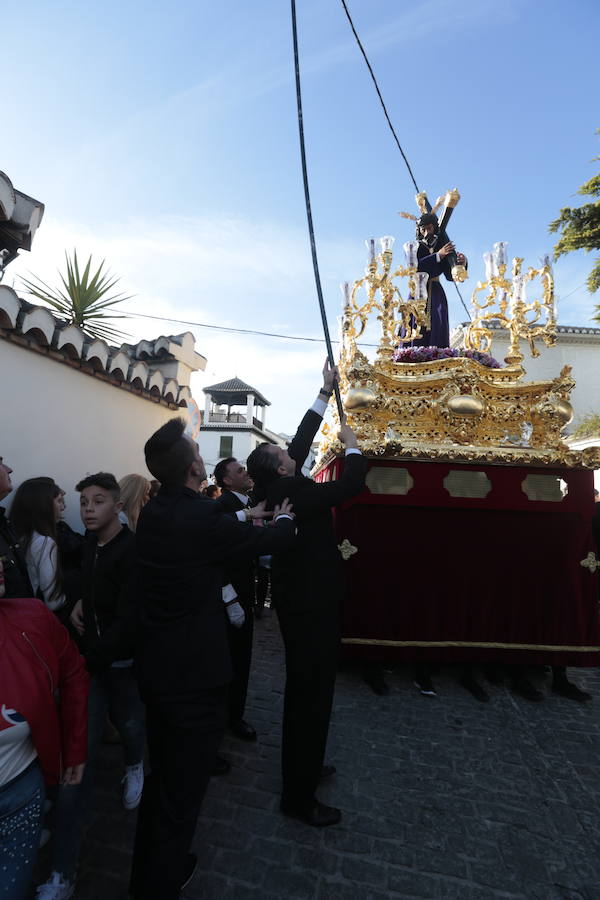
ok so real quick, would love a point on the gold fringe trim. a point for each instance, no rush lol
(483, 644)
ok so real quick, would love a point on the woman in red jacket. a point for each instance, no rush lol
(42, 741)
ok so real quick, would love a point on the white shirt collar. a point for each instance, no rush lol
(243, 498)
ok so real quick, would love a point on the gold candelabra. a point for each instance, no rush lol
(401, 319)
(506, 303)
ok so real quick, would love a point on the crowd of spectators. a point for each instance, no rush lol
(141, 623)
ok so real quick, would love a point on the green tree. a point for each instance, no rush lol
(580, 229)
(589, 426)
(84, 299)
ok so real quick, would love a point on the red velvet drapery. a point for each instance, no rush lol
(448, 578)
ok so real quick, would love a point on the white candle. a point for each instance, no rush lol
(345, 289)
(410, 250)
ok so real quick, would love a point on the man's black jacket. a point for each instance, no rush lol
(16, 579)
(240, 572)
(183, 542)
(109, 599)
(310, 573)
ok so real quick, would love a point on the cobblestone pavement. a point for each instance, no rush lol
(442, 798)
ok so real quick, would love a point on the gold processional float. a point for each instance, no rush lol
(472, 541)
(463, 407)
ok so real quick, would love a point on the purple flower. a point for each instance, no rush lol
(427, 354)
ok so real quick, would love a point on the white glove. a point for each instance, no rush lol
(228, 593)
(236, 614)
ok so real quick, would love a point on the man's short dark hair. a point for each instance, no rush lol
(104, 480)
(221, 470)
(262, 468)
(169, 454)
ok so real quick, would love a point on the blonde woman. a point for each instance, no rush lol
(135, 493)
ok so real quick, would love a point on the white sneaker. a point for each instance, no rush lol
(134, 784)
(55, 888)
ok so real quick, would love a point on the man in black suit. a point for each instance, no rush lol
(307, 591)
(182, 657)
(235, 483)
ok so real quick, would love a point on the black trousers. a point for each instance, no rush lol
(263, 576)
(240, 647)
(312, 642)
(183, 737)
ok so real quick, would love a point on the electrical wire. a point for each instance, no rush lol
(562, 299)
(228, 329)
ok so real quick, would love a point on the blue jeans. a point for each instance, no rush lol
(21, 807)
(115, 693)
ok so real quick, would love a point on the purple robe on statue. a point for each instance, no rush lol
(438, 335)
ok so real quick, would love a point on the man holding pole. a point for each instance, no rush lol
(307, 590)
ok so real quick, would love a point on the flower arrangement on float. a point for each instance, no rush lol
(428, 354)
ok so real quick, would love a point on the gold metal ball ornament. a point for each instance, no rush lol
(465, 405)
(459, 273)
(564, 410)
(359, 398)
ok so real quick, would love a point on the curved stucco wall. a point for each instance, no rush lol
(58, 421)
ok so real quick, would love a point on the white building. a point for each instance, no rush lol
(233, 422)
(72, 405)
(576, 345)
(20, 217)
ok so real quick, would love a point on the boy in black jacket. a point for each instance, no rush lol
(104, 619)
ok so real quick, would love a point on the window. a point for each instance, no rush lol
(225, 446)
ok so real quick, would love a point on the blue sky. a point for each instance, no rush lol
(165, 139)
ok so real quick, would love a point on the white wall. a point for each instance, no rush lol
(55, 420)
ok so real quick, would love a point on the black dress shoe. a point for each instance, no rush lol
(190, 869)
(425, 686)
(471, 685)
(243, 730)
(221, 767)
(326, 772)
(493, 673)
(317, 814)
(525, 689)
(373, 676)
(569, 690)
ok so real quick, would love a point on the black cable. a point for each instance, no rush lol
(383, 106)
(311, 232)
(462, 301)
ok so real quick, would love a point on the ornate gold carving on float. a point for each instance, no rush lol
(453, 408)
(347, 549)
(590, 562)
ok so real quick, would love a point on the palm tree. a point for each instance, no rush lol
(84, 300)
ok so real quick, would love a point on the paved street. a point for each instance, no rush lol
(442, 798)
